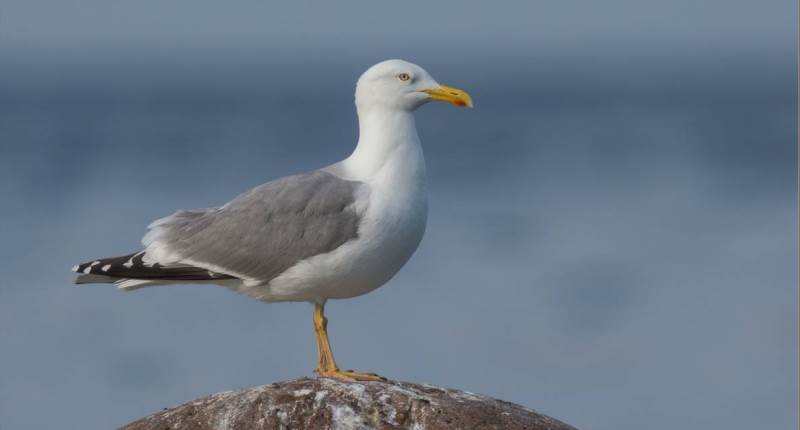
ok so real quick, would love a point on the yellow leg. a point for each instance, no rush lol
(327, 365)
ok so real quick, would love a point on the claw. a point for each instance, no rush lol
(349, 375)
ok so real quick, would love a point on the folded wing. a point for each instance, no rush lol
(255, 237)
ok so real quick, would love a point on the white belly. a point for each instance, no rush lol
(392, 226)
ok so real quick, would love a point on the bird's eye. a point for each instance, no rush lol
(404, 77)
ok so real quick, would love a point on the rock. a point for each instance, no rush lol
(330, 404)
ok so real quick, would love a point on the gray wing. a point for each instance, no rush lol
(263, 232)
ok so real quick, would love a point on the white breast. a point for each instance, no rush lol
(395, 213)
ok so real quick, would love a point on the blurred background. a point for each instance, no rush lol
(612, 233)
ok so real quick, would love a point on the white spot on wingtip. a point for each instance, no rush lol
(95, 263)
(76, 267)
(128, 263)
(87, 270)
(105, 268)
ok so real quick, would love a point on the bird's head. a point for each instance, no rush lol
(398, 84)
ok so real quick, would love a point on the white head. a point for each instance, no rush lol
(398, 84)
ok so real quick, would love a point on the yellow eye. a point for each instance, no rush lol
(404, 77)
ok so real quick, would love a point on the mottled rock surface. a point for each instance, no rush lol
(329, 404)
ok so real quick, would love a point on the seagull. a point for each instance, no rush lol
(333, 233)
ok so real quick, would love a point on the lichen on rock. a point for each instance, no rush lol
(324, 403)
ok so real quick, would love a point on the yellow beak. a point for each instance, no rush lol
(450, 95)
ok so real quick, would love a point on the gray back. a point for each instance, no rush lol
(264, 231)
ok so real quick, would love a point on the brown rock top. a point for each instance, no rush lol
(330, 404)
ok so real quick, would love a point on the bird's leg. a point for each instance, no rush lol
(326, 361)
(327, 365)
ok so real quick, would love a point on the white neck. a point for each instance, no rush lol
(383, 134)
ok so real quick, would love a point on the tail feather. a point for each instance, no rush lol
(135, 271)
